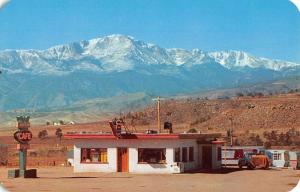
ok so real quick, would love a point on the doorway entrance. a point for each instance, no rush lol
(122, 160)
(207, 157)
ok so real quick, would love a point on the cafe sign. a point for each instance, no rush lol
(23, 136)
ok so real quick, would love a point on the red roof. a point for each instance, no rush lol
(143, 136)
(131, 136)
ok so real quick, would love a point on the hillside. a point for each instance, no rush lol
(82, 111)
(255, 120)
(257, 114)
(284, 85)
(102, 108)
(254, 114)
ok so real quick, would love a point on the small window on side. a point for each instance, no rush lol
(177, 154)
(219, 154)
(184, 154)
(191, 154)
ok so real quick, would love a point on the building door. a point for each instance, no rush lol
(207, 157)
(122, 160)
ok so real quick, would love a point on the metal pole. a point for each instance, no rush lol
(22, 159)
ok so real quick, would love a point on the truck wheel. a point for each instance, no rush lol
(250, 166)
(240, 166)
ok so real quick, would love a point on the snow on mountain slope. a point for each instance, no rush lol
(121, 53)
(117, 64)
(232, 59)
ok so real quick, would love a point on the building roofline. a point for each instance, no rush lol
(143, 136)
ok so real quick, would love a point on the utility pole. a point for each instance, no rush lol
(158, 115)
(231, 131)
(158, 99)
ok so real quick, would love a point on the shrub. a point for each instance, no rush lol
(192, 130)
(239, 94)
(43, 134)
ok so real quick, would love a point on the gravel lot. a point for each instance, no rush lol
(232, 180)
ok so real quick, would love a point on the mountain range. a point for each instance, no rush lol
(116, 65)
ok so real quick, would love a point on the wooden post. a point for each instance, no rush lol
(231, 131)
(22, 136)
(158, 115)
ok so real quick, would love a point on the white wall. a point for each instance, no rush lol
(85, 167)
(135, 167)
(217, 164)
(133, 145)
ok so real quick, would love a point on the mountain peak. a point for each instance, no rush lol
(120, 52)
(116, 64)
(114, 38)
(120, 36)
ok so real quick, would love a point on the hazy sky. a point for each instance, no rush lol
(269, 28)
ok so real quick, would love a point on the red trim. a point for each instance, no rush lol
(142, 136)
(132, 136)
(157, 136)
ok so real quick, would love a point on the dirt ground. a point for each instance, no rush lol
(63, 179)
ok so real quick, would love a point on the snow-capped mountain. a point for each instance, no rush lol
(121, 53)
(117, 64)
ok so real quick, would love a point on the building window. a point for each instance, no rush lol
(219, 154)
(149, 155)
(184, 154)
(191, 154)
(177, 155)
(93, 155)
(276, 156)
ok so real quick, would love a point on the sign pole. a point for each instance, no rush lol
(22, 159)
(22, 136)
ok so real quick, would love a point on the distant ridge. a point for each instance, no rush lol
(114, 65)
(121, 53)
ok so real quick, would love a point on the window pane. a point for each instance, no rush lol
(191, 154)
(93, 155)
(148, 155)
(277, 156)
(219, 154)
(177, 155)
(103, 155)
(184, 154)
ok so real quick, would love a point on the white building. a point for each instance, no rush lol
(146, 153)
(280, 158)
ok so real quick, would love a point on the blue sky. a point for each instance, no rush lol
(268, 28)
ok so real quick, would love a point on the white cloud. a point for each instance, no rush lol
(297, 3)
(3, 3)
